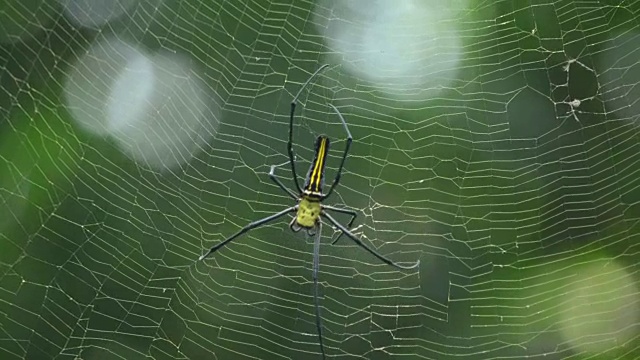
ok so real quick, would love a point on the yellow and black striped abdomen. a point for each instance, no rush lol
(315, 176)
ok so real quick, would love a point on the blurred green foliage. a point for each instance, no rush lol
(98, 252)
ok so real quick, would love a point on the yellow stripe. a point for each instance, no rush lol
(323, 152)
(316, 168)
(316, 175)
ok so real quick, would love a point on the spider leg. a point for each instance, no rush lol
(359, 242)
(294, 102)
(316, 268)
(250, 226)
(272, 176)
(344, 156)
(343, 211)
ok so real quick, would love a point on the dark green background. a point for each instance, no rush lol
(98, 257)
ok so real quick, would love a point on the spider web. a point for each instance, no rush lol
(497, 144)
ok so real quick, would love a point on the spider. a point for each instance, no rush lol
(309, 208)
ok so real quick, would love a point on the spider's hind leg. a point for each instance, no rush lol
(294, 102)
(272, 176)
(347, 146)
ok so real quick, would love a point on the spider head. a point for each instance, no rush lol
(295, 227)
(307, 215)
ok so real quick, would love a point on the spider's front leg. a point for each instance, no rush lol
(316, 269)
(248, 227)
(350, 235)
(343, 211)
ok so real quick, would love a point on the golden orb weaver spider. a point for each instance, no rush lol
(309, 208)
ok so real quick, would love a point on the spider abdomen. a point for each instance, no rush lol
(315, 175)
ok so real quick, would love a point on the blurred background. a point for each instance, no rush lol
(496, 141)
